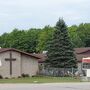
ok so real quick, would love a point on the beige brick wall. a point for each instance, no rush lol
(5, 68)
(29, 65)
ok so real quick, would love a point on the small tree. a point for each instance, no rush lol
(60, 50)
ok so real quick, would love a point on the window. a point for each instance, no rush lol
(86, 65)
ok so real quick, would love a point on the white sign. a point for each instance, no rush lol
(88, 72)
(0, 63)
(86, 60)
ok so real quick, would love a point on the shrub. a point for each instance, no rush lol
(25, 75)
(1, 77)
(19, 76)
(6, 78)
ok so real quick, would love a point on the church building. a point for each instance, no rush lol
(14, 63)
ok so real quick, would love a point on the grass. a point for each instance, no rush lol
(43, 79)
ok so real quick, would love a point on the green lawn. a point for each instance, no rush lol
(40, 80)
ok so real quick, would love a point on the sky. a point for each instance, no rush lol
(26, 14)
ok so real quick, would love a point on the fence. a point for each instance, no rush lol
(59, 71)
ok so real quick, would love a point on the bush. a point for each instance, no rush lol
(19, 76)
(6, 78)
(38, 76)
(25, 75)
(1, 77)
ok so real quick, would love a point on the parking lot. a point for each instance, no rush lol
(50, 86)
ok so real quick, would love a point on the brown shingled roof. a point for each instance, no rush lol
(81, 50)
(12, 49)
(77, 52)
(42, 57)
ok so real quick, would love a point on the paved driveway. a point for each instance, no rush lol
(54, 86)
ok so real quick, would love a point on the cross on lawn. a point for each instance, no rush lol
(10, 60)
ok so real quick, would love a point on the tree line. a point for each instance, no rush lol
(36, 40)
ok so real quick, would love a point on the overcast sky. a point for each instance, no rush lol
(25, 14)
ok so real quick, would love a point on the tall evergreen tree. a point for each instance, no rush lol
(60, 50)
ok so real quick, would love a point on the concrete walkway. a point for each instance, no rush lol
(51, 86)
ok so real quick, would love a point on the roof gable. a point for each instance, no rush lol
(22, 52)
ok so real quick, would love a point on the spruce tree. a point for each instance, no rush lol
(60, 50)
